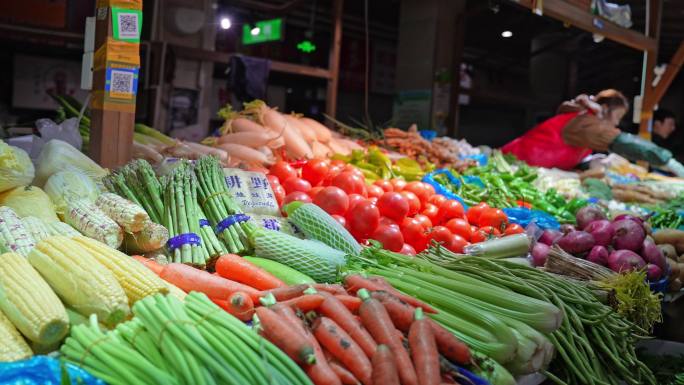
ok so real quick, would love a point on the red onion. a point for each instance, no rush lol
(653, 272)
(598, 255)
(540, 252)
(588, 214)
(652, 254)
(549, 237)
(625, 260)
(567, 228)
(576, 242)
(628, 235)
(601, 231)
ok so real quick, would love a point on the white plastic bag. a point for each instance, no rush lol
(16, 168)
(58, 155)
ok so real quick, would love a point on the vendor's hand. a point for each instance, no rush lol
(675, 167)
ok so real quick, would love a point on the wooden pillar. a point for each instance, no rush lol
(654, 8)
(115, 76)
(668, 76)
(334, 62)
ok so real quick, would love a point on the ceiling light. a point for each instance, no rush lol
(255, 31)
(225, 23)
(506, 34)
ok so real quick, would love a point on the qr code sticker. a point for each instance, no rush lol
(121, 83)
(129, 27)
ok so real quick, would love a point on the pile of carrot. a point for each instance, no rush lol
(365, 332)
(259, 134)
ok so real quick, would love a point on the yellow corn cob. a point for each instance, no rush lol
(28, 301)
(13, 346)
(152, 237)
(36, 228)
(61, 228)
(175, 291)
(137, 281)
(13, 235)
(85, 284)
(92, 222)
(127, 214)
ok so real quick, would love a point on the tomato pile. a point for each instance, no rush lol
(404, 216)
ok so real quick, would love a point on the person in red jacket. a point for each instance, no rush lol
(582, 126)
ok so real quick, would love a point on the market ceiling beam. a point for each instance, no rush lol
(667, 77)
(577, 17)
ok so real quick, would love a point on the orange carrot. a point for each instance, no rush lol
(401, 314)
(305, 303)
(230, 308)
(384, 367)
(344, 375)
(334, 309)
(320, 373)
(234, 267)
(424, 350)
(287, 292)
(150, 264)
(242, 306)
(343, 347)
(379, 324)
(355, 282)
(285, 336)
(188, 279)
(331, 288)
(352, 303)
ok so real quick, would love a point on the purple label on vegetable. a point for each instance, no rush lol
(231, 220)
(183, 239)
(203, 222)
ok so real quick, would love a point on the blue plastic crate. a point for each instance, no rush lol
(428, 134)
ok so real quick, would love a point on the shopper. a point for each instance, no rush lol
(665, 132)
(582, 126)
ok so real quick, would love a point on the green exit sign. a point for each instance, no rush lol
(262, 31)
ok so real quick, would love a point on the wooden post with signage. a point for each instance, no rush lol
(116, 67)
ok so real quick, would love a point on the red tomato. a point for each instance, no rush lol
(354, 199)
(296, 184)
(349, 182)
(495, 218)
(419, 189)
(354, 170)
(389, 236)
(474, 212)
(478, 236)
(273, 180)
(449, 210)
(375, 191)
(333, 171)
(279, 193)
(393, 205)
(430, 190)
(413, 201)
(431, 211)
(440, 234)
(340, 219)
(315, 170)
(314, 191)
(423, 220)
(460, 227)
(414, 233)
(490, 231)
(333, 200)
(457, 244)
(297, 196)
(373, 200)
(437, 199)
(283, 171)
(363, 218)
(514, 228)
(398, 184)
(407, 250)
(384, 221)
(384, 184)
(338, 162)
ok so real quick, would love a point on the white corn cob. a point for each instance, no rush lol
(13, 235)
(127, 214)
(61, 228)
(92, 222)
(36, 228)
(13, 347)
(152, 237)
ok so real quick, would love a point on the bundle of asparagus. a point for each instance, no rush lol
(137, 182)
(221, 210)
